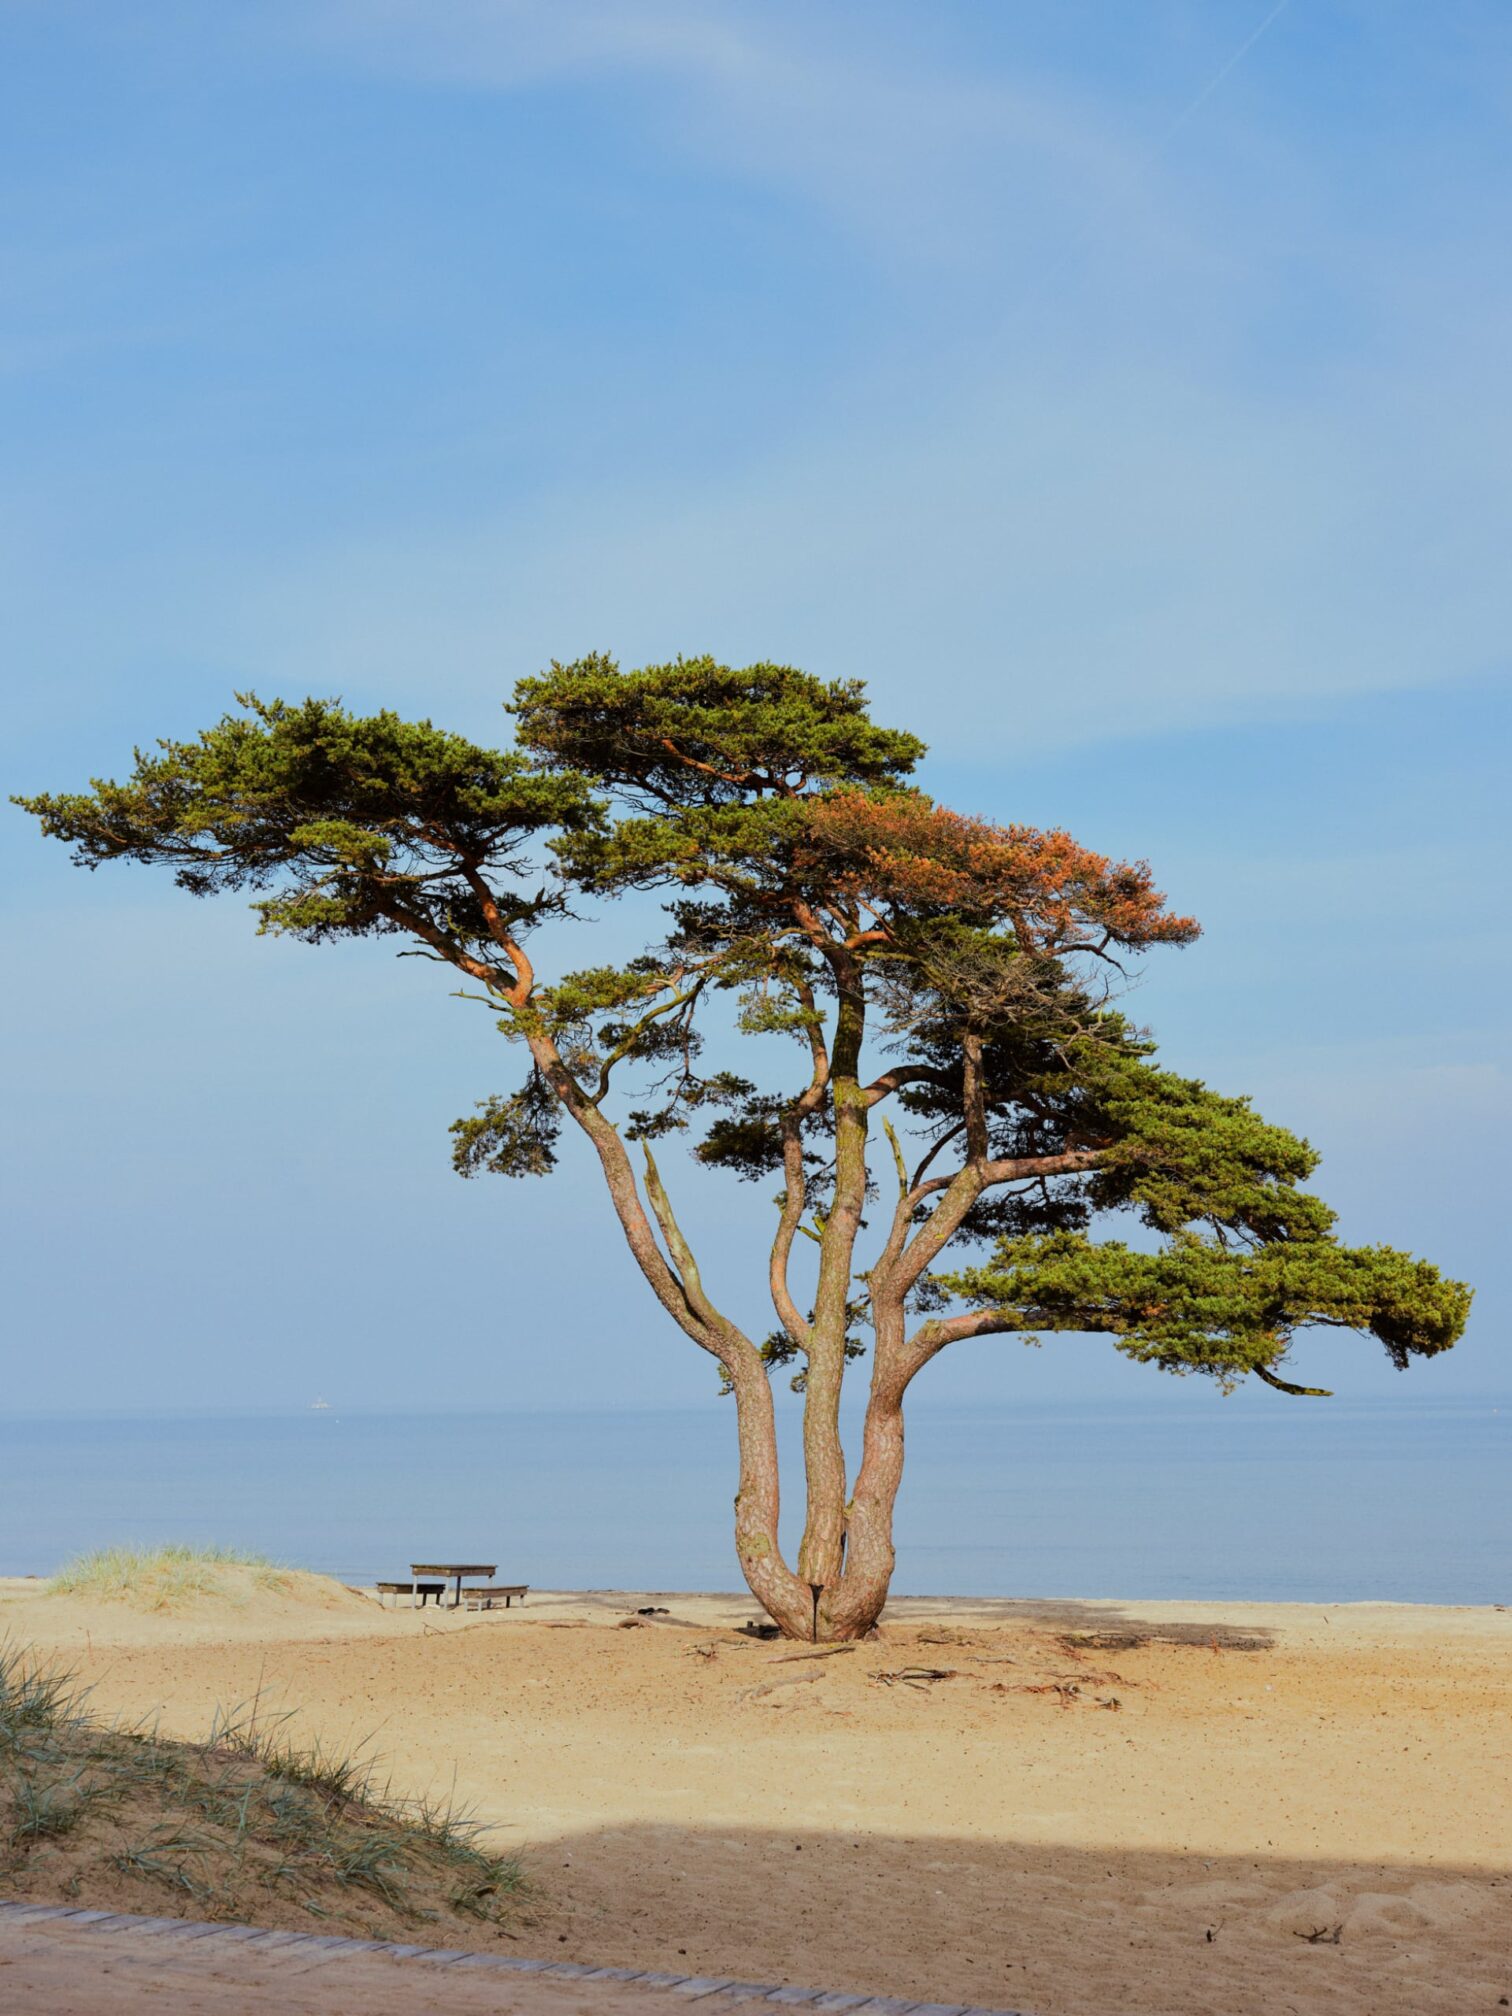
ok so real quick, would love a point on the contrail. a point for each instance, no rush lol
(1218, 76)
(1151, 154)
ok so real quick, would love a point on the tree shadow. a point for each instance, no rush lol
(1107, 1626)
(1051, 1930)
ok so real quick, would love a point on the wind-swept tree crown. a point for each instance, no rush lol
(698, 733)
(1204, 1304)
(351, 824)
(807, 874)
(790, 813)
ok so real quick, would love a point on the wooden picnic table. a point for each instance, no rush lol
(457, 1569)
(486, 1594)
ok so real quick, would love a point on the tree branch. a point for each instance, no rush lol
(705, 769)
(1285, 1386)
(795, 1187)
(897, 1235)
(705, 1326)
(942, 1330)
(973, 1098)
(500, 933)
(897, 1149)
(682, 1253)
(491, 976)
(621, 1050)
(904, 1074)
(963, 1189)
(944, 1141)
(712, 1333)
(1016, 1169)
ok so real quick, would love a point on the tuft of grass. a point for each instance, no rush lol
(164, 1857)
(485, 1881)
(38, 1701)
(46, 1811)
(248, 1824)
(158, 1578)
(339, 1777)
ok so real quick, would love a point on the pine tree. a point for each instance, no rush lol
(940, 981)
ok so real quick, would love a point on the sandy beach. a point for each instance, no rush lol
(1069, 1808)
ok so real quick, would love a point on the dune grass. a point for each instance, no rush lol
(248, 1825)
(159, 1578)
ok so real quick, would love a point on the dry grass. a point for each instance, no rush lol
(162, 1578)
(246, 1825)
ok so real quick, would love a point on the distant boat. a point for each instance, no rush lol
(319, 1403)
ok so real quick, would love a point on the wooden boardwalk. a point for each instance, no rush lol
(61, 1960)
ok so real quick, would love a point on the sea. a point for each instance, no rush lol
(1379, 1500)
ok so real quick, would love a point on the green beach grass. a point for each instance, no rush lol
(160, 1578)
(247, 1825)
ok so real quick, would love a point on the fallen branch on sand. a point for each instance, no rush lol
(1066, 1689)
(780, 1680)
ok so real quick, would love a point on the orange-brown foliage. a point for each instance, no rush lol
(908, 854)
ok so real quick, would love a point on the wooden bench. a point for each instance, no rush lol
(485, 1599)
(422, 1590)
(455, 1571)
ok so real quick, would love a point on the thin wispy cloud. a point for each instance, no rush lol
(925, 159)
(1078, 558)
(1109, 489)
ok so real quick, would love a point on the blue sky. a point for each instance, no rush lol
(1121, 392)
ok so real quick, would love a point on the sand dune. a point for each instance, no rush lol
(286, 1603)
(1148, 1809)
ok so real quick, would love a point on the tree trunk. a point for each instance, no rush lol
(849, 1604)
(821, 1557)
(776, 1588)
(833, 1595)
(851, 1608)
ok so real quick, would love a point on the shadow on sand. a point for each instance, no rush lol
(1109, 1626)
(1053, 1931)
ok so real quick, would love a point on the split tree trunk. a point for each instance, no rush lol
(845, 1560)
(848, 1604)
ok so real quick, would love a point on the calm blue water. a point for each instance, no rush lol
(1311, 1503)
